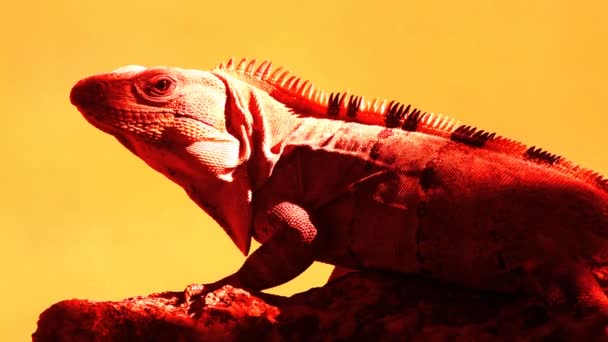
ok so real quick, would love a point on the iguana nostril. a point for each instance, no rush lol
(99, 89)
(87, 92)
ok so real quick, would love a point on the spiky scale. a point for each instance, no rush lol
(322, 98)
(353, 107)
(295, 85)
(230, 64)
(342, 101)
(301, 88)
(308, 90)
(394, 115)
(333, 104)
(280, 81)
(240, 68)
(376, 111)
(289, 82)
(249, 67)
(262, 71)
(275, 75)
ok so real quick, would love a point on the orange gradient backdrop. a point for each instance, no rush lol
(82, 217)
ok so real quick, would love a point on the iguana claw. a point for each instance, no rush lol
(194, 291)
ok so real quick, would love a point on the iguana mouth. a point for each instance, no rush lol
(115, 121)
(139, 116)
(147, 116)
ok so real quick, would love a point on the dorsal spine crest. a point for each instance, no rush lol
(303, 96)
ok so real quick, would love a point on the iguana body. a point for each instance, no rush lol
(357, 184)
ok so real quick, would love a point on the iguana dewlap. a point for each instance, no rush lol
(358, 184)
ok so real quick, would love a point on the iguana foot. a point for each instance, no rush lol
(194, 296)
(194, 291)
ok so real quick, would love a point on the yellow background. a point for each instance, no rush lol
(82, 217)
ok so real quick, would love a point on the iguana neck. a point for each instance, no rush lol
(256, 133)
(261, 124)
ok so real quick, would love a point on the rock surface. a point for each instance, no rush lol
(359, 306)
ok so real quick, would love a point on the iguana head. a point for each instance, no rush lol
(176, 121)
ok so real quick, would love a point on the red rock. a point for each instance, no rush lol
(364, 305)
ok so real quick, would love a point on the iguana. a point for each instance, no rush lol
(359, 184)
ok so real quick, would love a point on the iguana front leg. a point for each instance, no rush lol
(281, 258)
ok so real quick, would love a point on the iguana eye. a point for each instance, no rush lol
(160, 86)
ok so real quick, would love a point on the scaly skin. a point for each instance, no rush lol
(269, 157)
